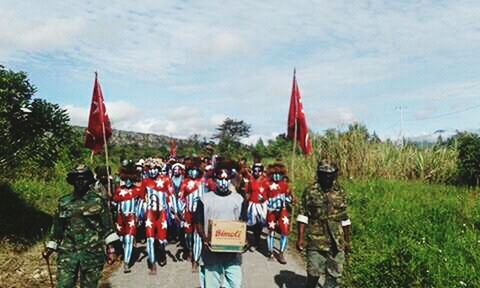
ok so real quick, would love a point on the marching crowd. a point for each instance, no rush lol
(159, 202)
(156, 200)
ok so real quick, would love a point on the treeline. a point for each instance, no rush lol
(37, 137)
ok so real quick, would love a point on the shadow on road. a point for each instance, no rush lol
(289, 279)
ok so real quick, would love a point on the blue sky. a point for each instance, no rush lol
(181, 67)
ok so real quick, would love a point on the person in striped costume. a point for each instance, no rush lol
(177, 172)
(126, 195)
(255, 191)
(158, 189)
(278, 195)
(191, 191)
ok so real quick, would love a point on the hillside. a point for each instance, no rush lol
(146, 140)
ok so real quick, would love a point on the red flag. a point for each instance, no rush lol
(296, 116)
(98, 121)
(173, 148)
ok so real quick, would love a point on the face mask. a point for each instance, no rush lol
(257, 172)
(222, 186)
(153, 173)
(80, 185)
(325, 180)
(193, 173)
(277, 177)
(164, 171)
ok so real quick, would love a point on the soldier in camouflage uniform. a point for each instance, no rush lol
(323, 218)
(82, 226)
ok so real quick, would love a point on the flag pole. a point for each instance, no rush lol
(105, 145)
(292, 171)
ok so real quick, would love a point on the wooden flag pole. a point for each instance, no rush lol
(105, 144)
(292, 171)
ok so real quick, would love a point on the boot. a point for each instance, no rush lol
(126, 268)
(281, 258)
(152, 268)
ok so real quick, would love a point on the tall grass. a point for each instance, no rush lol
(409, 234)
(357, 155)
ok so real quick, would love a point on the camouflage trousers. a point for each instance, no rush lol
(71, 265)
(326, 267)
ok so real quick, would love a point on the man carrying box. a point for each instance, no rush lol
(225, 204)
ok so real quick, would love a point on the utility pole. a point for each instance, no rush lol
(401, 109)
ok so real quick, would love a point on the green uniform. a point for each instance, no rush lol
(81, 229)
(325, 213)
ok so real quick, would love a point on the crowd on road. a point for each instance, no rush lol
(156, 202)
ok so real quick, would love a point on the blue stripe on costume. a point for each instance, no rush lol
(127, 248)
(151, 249)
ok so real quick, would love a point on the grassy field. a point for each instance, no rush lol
(409, 234)
(406, 233)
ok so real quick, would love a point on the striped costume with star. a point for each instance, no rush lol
(126, 199)
(157, 193)
(191, 191)
(257, 202)
(278, 194)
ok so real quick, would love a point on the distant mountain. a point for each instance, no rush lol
(121, 137)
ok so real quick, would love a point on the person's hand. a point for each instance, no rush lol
(47, 252)
(348, 248)
(294, 201)
(111, 254)
(300, 245)
(206, 245)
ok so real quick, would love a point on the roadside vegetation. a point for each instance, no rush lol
(414, 209)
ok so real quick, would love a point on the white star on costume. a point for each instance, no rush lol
(119, 227)
(148, 223)
(191, 184)
(164, 225)
(186, 225)
(160, 183)
(123, 192)
(131, 223)
(285, 220)
(271, 224)
(273, 186)
(261, 189)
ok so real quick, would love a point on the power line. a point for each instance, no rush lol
(446, 114)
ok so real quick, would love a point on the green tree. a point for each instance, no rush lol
(229, 134)
(33, 132)
(468, 161)
(260, 149)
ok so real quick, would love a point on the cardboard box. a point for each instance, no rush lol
(227, 236)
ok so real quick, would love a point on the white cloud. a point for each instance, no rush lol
(332, 117)
(179, 122)
(210, 51)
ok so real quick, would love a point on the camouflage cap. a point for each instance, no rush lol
(326, 166)
(80, 170)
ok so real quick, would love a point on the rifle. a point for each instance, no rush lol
(48, 265)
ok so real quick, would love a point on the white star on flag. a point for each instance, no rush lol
(160, 183)
(191, 184)
(285, 220)
(148, 223)
(123, 192)
(131, 223)
(164, 224)
(273, 186)
(271, 224)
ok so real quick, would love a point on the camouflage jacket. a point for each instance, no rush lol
(82, 224)
(325, 212)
